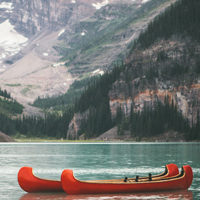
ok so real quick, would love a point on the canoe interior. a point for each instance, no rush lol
(133, 180)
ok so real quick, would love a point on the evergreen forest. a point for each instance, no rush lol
(91, 95)
(8, 105)
(62, 102)
(181, 18)
(4, 93)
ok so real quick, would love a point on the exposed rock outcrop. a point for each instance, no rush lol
(111, 135)
(169, 136)
(5, 138)
(75, 125)
(52, 14)
(134, 89)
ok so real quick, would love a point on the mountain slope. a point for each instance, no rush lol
(156, 90)
(92, 40)
(166, 71)
(104, 37)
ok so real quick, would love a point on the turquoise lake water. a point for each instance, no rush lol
(91, 161)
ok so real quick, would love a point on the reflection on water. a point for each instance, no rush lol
(174, 195)
(95, 161)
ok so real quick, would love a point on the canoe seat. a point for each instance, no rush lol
(150, 177)
(125, 179)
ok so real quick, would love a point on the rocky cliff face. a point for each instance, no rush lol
(30, 17)
(75, 125)
(134, 89)
(175, 62)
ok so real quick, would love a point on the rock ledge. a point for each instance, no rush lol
(5, 138)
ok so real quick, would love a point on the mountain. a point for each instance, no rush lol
(157, 88)
(49, 44)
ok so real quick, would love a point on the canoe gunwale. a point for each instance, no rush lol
(164, 174)
(181, 175)
(42, 178)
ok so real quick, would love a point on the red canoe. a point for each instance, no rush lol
(31, 183)
(71, 185)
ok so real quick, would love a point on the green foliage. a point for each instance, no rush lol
(155, 121)
(9, 106)
(97, 122)
(174, 70)
(4, 93)
(52, 126)
(181, 18)
(96, 98)
(97, 92)
(91, 96)
(7, 125)
(194, 132)
(13, 85)
(162, 56)
(152, 73)
(197, 69)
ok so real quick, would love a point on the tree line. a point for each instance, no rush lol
(51, 126)
(181, 18)
(65, 100)
(4, 93)
(54, 125)
(150, 121)
(154, 120)
(8, 105)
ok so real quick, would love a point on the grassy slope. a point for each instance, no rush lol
(103, 41)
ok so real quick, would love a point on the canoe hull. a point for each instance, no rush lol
(30, 183)
(73, 186)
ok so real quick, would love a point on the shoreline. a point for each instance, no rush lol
(31, 140)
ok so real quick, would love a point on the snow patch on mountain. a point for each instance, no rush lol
(10, 40)
(98, 71)
(61, 32)
(6, 5)
(100, 5)
(144, 1)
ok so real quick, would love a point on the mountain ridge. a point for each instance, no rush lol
(37, 70)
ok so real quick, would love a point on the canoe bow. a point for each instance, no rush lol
(31, 183)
